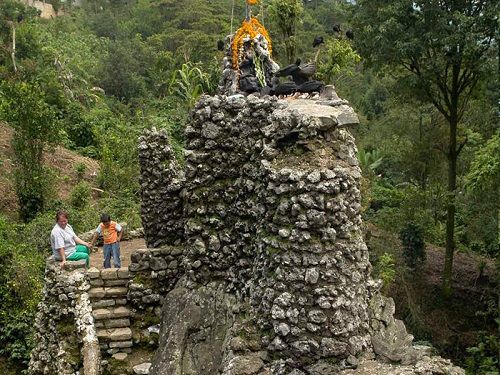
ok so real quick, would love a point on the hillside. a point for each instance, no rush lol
(60, 160)
(450, 327)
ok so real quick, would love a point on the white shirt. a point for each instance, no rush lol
(62, 238)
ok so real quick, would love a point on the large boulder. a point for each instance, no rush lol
(193, 336)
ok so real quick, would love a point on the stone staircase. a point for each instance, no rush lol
(108, 296)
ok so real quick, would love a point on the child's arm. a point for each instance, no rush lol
(94, 239)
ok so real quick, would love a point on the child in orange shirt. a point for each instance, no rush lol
(111, 233)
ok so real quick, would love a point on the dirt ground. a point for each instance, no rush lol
(126, 249)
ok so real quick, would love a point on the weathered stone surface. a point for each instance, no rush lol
(425, 366)
(120, 356)
(101, 314)
(115, 282)
(109, 274)
(142, 369)
(65, 324)
(120, 334)
(269, 201)
(97, 282)
(103, 303)
(115, 292)
(97, 293)
(123, 273)
(244, 365)
(120, 312)
(188, 316)
(93, 272)
(120, 344)
(117, 323)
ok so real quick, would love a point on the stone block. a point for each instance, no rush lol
(117, 323)
(115, 292)
(121, 301)
(96, 282)
(120, 312)
(120, 344)
(93, 272)
(120, 356)
(142, 369)
(120, 334)
(109, 274)
(103, 334)
(123, 273)
(72, 265)
(101, 314)
(117, 282)
(103, 303)
(97, 293)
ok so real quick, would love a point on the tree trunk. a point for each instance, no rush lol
(13, 54)
(450, 211)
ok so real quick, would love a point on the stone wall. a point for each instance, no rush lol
(65, 336)
(267, 271)
(161, 182)
(269, 203)
(153, 273)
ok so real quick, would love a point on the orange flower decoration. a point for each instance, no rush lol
(249, 29)
(252, 2)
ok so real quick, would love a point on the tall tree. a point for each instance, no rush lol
(441, 47)
(286, 14)
(24, 106)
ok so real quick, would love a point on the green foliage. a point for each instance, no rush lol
(484, 172)
(20, 291)
(189, 83)
(412, 238)
(287, 14)
(370, 160)
(483, 358)
(385, 269)
(80, 195)
(337, 60)
(26, 108)
(80, 170)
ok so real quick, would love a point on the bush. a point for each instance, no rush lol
(412, 238)
(385, 269)
(80, 195)
(80, 170)
(483, 358)
(21, 282)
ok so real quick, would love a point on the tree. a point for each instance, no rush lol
(441, 49)
(286, 14)
(23, 105)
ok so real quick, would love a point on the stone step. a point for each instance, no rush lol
(108, 283)
(107, 292)
(116, 334)
(111, 313)
(113, 323)
(109, 273)
(104, 303)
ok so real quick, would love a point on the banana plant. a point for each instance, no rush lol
(370, 160)
(189, 83)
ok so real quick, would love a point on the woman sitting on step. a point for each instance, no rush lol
(64, 242)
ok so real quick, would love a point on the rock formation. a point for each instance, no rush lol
(273, 273)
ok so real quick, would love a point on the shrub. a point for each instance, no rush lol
(483, 358)
(412, 238)
(80, 195)
(80, 170)
(385, 269)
